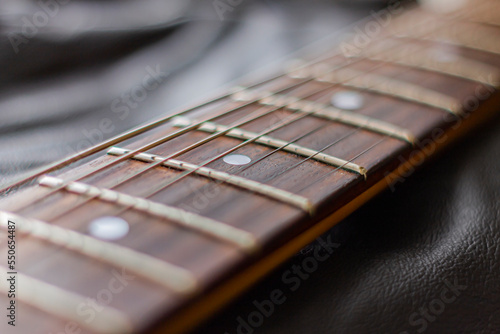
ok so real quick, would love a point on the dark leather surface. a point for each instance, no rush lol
(422, 259)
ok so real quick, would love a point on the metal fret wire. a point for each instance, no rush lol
(449, 21)
(309, 157)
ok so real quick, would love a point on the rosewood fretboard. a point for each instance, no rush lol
(217, 195)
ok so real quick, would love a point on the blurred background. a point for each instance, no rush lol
(76, 72)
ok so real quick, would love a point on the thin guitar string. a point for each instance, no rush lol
(119, 183)
(250, 140)
(144, 128)
(170, 117)
(213, 185)
(168, 137)
(160, 161)
(163, 187)
(331, 172)
(144, 230)
(184, 174)
(350, 160)
(122, 158)
(146, 147)
(270, 153)
(155, 143)
(358, 155)
(148, 167)
(222, 94)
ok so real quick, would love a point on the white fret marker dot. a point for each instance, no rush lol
(108, 228)
(237, 159)
(443, 56)
(347, 100)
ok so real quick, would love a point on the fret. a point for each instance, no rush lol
(492, 21)
(328, 112)
(242, 239)
(62, 304)
(165, 274)
(463, 38)
(415, 57)
(486, 16)
(382, 85)
(238, 133)
(247, 184)
(461, 34)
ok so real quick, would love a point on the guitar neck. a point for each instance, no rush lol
(166, 223)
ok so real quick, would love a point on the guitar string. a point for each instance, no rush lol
(163, 160)
(355, 157)
(162, 187)
(175, 134)
(159, 161)
(123, 158)
(54, 218)
(299, 163)
(56, 248)
(187, 173)
(146, 147)
(245, 143)
(213, 185)
(350, 160)
(169, 157)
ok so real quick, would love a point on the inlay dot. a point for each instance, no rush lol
(443, 56)
(347, 100)
(109, 228)
(237, 159)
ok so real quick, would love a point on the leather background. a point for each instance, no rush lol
(395, 256)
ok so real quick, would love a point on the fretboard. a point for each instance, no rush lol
(160, 226)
